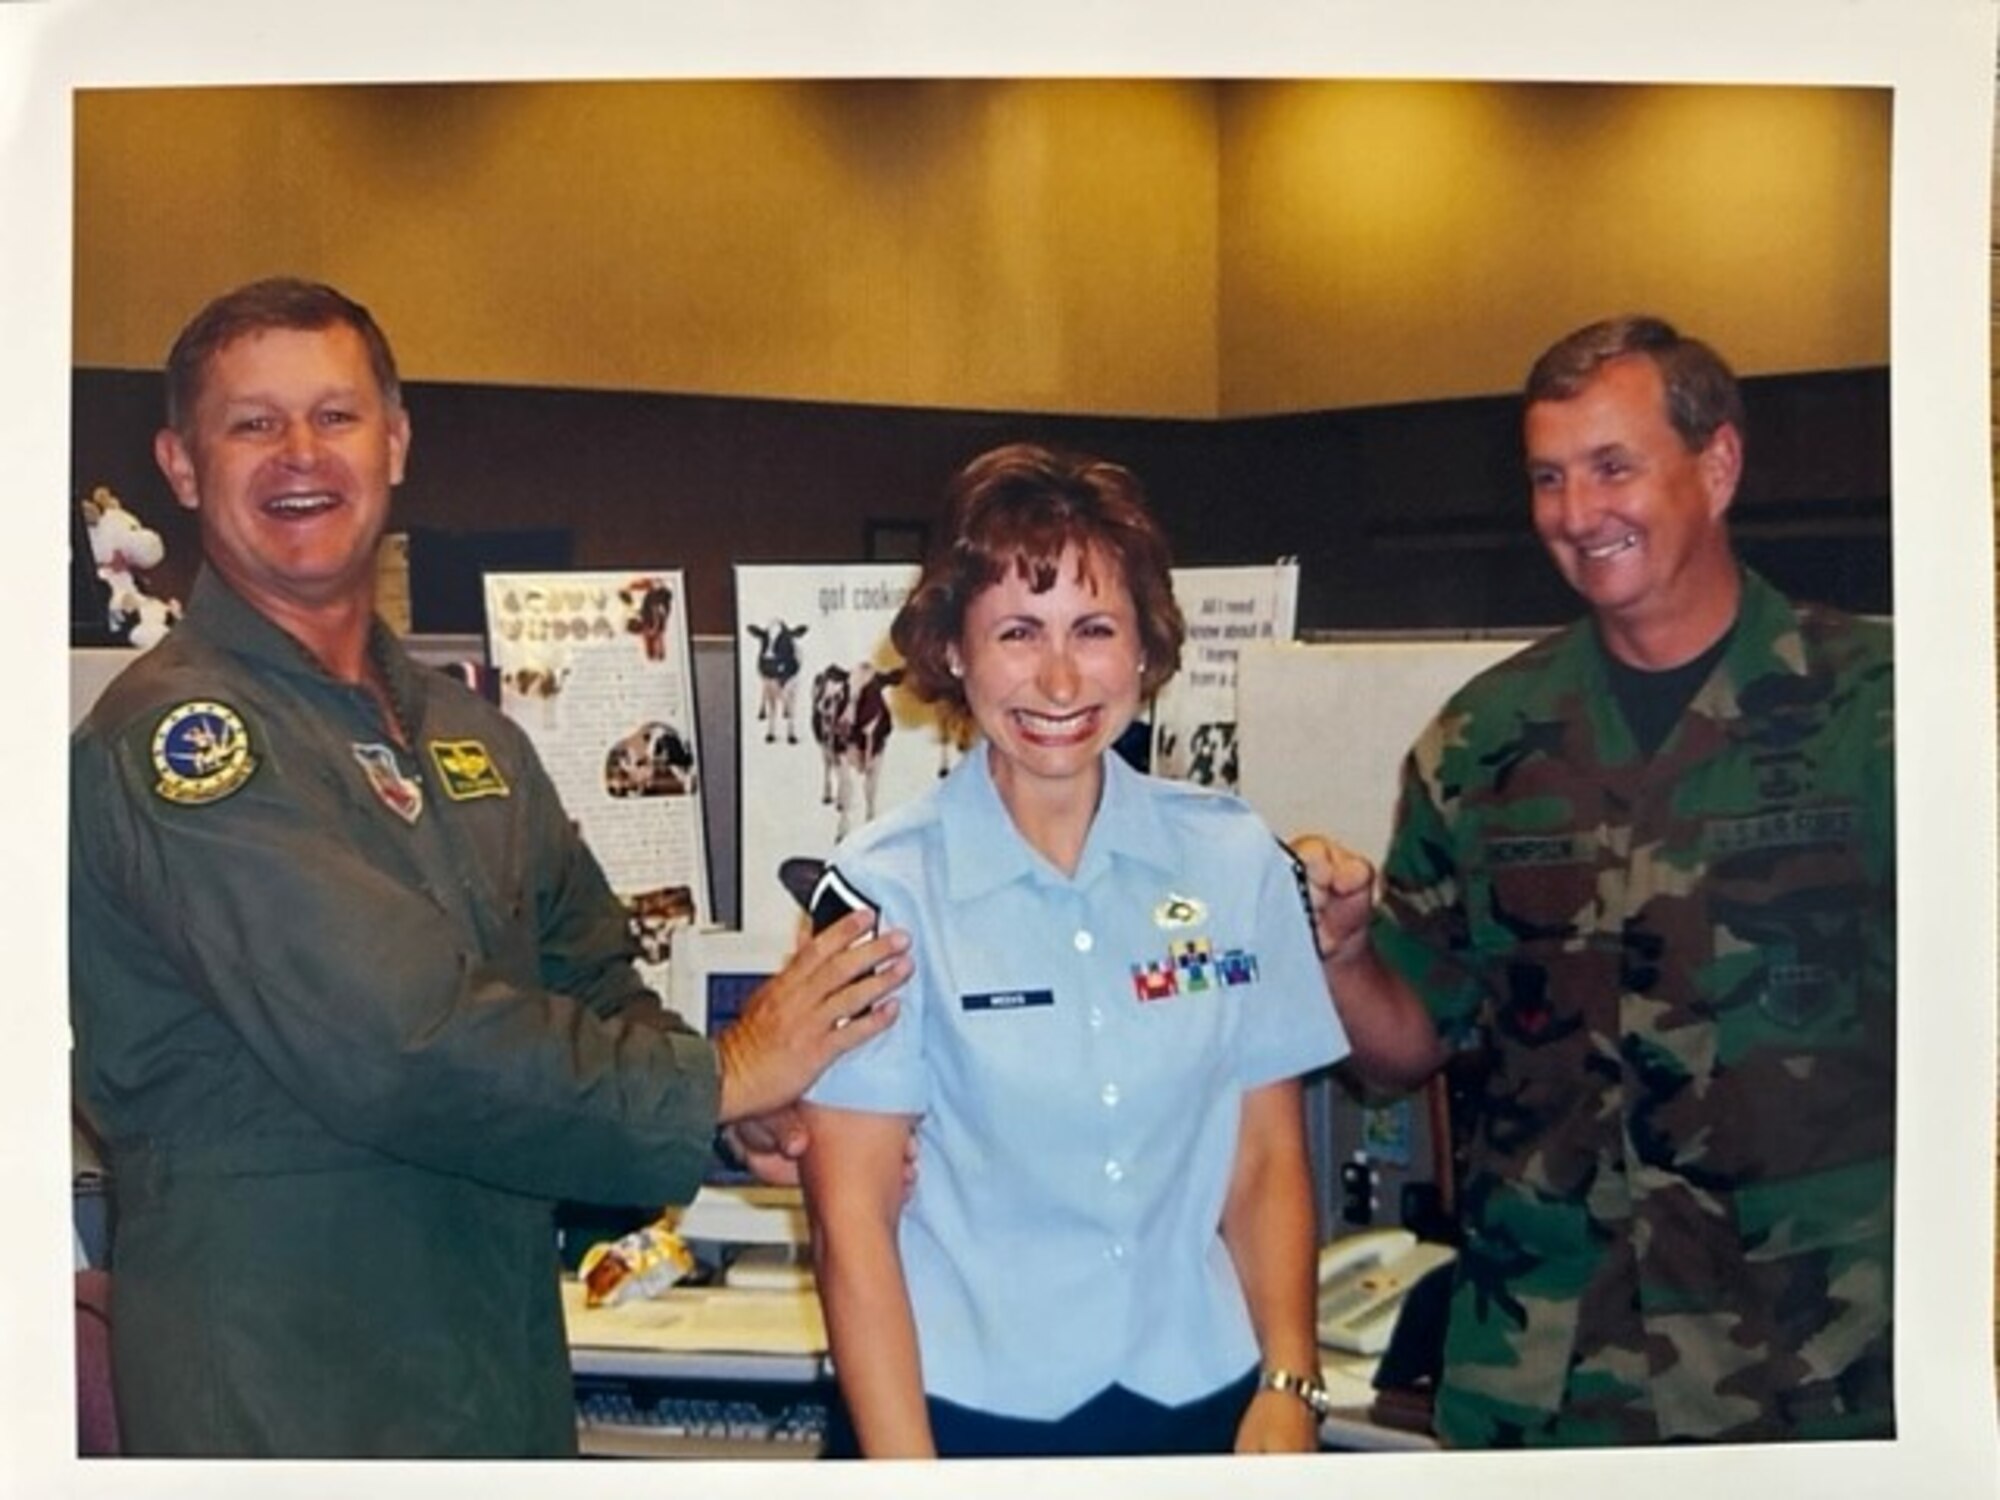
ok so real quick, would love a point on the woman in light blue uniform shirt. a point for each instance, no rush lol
(1109, 1246)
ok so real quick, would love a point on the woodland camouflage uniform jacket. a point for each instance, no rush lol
(1679, 971)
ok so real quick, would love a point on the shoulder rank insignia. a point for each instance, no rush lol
(1180, 911)
(202, 753)
(467, 770)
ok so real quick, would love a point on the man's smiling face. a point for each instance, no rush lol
(1632, 517)
(291, 452)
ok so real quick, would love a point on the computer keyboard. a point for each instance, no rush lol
(635, 1417)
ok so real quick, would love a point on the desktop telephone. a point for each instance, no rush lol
(1363, 1279)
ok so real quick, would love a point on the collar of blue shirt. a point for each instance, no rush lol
(983, 851)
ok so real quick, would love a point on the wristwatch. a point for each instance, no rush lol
(1308, 1389)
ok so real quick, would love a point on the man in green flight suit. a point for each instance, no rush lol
(1646, 867)
(352, 1003)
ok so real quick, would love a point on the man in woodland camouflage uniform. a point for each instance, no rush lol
(1649, 865)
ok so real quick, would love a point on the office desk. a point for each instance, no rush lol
(700, 1373)
(725, 1373)
(736, 1330)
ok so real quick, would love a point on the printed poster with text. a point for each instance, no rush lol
(1194, 715)
(826, 735)
(595, 667)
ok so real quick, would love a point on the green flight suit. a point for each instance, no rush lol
(1680, 971)
(345, 1061)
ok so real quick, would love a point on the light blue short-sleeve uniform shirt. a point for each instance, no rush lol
(1077, 1050)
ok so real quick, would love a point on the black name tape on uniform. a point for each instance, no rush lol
(1781, 828)
(1007, 1000)
(1547, 849)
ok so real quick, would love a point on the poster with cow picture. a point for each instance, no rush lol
(826, 735)
(1194, 715)
(596, 668)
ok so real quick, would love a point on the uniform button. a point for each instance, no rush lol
(1084, 941)
(1113, 1172)
(1096, 1018)
(1116, 1254)
(1109, 1095)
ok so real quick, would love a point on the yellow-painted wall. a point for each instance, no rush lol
(1399, 241)
(1160, 248)
(906, 243)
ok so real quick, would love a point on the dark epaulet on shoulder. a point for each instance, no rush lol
(833, 897)
(1303, 882)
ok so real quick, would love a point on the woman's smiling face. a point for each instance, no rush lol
(1052, 678)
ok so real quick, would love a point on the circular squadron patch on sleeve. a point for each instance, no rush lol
(202, 752)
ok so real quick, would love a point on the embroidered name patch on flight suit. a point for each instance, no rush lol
(467, 769)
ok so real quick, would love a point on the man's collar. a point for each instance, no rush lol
(218, 612)
(1767, 632)
(1758, 632)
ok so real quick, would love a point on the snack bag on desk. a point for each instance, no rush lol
(643, 1263)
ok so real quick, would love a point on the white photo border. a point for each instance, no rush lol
(1938, 57)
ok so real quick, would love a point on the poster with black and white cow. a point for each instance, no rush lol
(596, 668)
(1194, 715)
(826, 736)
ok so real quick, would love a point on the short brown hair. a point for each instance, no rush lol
(1019, 507)
(277, 302)
(1702, 393)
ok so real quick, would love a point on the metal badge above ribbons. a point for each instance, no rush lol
(1180, 911)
